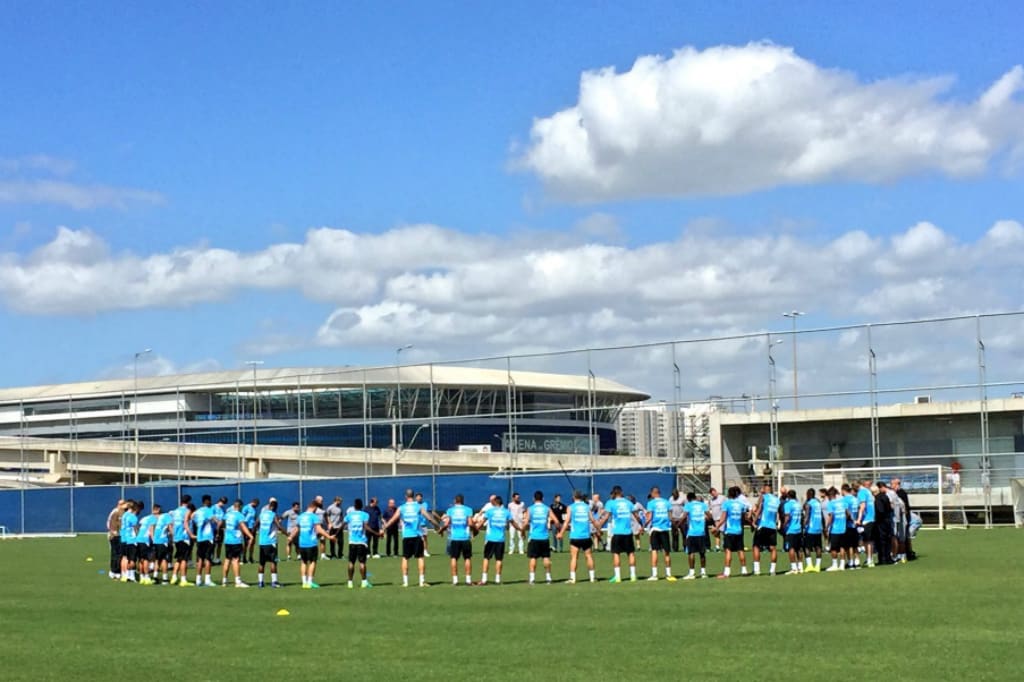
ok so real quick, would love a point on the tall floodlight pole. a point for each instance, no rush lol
(792, 315)
(255, 412)
(135, 405)
(774, 419)
(400, 443)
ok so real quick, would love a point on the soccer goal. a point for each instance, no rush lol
(934, 490)
(1017, 491)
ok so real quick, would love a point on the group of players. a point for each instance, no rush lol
(144, 546)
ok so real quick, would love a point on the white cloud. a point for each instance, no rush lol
(37, 163)
(31, 180)
(729, 120)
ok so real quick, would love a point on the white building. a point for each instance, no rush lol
(661, 430)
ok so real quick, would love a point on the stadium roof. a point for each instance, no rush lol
(291, 378)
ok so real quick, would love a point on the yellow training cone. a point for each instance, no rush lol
(88, 559)
(283, 612)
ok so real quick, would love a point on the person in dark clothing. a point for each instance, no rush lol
(558, 508)
(391, 534)
(375, 513)
(883, 525)
(902, 494)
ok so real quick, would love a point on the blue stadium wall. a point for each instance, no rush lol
(85, 509)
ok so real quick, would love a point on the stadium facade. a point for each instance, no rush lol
(428, 407)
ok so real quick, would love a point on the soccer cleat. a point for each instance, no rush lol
(314, 586)
(365, 585)
(570, 581)
(671, 578)
(614, 579)
(275, 585)
(689, 576)
(830, 569)
(632, 578)
(123, 578)
(186, 583)
(242, 585)
(349, 586)
(424, 584)
(652, 579)
(306, 586)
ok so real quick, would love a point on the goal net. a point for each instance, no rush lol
(1017, 491)
(934, 490)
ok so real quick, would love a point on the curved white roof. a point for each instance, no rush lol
(325, 377)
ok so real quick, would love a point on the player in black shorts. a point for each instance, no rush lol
(619, 509)
(580, 524)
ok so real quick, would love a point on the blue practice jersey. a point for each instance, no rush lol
(307, 529)
(458, 521)
(579, 520)
(659, 509)
(268, 529)
(497, 523)
(864, 497)
(538, 514)
(794, 517)
(814, 520)
(356, 521)
(180, 531)
(129, 527)
(249, 516)
(838, 509)
(145, 523)
(621, 511)
(769, 512)
(232, 527)
(163, 522)
(696, 518)
(734, 509)
(203, 520)
(410, 518)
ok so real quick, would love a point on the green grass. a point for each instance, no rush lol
(958, 613)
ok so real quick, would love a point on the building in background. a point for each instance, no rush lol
(664, 430)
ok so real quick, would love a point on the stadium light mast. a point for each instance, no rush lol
(135, 405)
(398, 442)
(773, 428)
(792, 315)
(255, 412)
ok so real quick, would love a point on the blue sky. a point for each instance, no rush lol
(198, 136)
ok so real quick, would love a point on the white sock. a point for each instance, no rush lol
(632, 571)
(757, 567)
(593, 576)
(531, 576)
(483, 578)
(654, 572)
(743, 570)
(238, 580)
(703, 571)
(260, 578)
(455, 580)
(808, 562)
(771, 568)
(618, 572)
(817, 562)
(572, 576)
(690, 572)
(497, 578)
(547, 576)
(726, 571)
(405, 580)
(668, 571)
(423, 579)
(469, 581)
(273, 578)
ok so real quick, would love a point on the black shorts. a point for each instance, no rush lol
(696, 544)
(661, 541)
(232, 552)
(852, 537)
(412, 548)
(357, 554)
(836, 543)
(795, 542)
(334, 532)
(539, 549)
(308, 554)
(161, 552)
(582, 545)
(733, 542)
(146, 552)
(494, 550)
(623, 544)
(130, 551)
(182, 550)
(219, 535)
(812, 541)
(460, 549)
(869, 532)
(268, 554)
(765, 538)
(204, 551)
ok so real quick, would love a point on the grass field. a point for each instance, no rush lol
(957, 613)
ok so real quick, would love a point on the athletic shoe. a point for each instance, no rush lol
(349, 586)
(652, 579)
(314, 586)
(426, 554)
(632, 578)
(614, 579)
(275, 585)
(424, 584)
(689, 577)
(570, 581)
(241, 585)
(365, 585)
(186, 583)
(722, 576)
(376, 556)
(306, 587)
(830, 569)
(123, 578)
(671, 578)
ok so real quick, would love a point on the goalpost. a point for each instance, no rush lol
(1017, 491)
(934, 490)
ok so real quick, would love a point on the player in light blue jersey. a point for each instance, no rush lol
(852, 539)
(206, 530)
(183, 537)
(269, 527)
(458, 521)
(619, 512)
(813, 529)
(539, 519)
(659, 525)
(498, 520)
(236, 536)
(143, 545)
(411, 515)
(865, 521)
(357, 522)
(837, 517)
(251, 516)
(793, 528)
(581, 526)
(766, 524)
(425, 523)
(160, 540)
(696, 516)
(306, 534)
(734, 516)
(129, 529)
